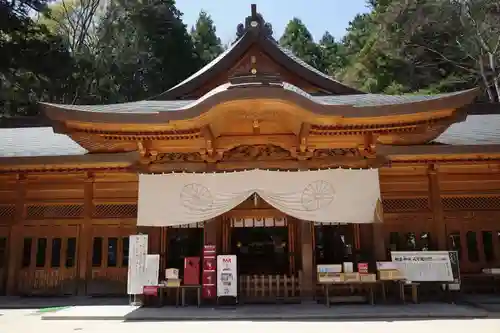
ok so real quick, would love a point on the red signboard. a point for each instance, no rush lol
(362, 268)
(209, 291)
(209, 274)
(150, 290)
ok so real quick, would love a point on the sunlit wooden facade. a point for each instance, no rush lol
(68, 195)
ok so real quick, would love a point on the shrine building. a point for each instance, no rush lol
(259, 154)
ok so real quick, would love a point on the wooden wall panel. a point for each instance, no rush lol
(404, 185)
(470, 182)
(8, 190)
(55, 191)
(104, 190)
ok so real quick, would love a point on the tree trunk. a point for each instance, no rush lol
(491, 60)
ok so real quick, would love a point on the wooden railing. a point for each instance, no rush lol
(270, 288)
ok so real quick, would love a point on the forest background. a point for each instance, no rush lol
(90, 51)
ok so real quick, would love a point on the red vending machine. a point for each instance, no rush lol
(192, 271)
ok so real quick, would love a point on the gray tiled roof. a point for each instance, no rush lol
(304, 64)
(475, 130)
(362, 100)
(146, 106)
(154, 106)
(208, 66)
(36, 141)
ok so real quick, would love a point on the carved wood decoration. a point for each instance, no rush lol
(256, 153)
(262, 156)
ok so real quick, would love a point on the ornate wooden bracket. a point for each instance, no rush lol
(147, 156)
(210, 153)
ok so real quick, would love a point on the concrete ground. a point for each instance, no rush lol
(269, 312)
(27, 321)
(87, 308)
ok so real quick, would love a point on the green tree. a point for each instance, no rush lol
(33, 62)
(143, 49)
(453, 44)
(333, 55)
(206, 43)
(299, 40)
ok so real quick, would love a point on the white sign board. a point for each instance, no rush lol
(137, 252)
(152, 270)
(424, 266)
(227, 276)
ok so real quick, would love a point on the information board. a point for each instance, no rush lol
(424, 266)
(138, 250)
(227, 276)
(152, 270)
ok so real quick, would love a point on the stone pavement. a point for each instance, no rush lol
(270, 312)
(488, 302)
(15, 302)
(23, 321)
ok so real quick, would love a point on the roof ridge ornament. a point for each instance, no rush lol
(255, 23)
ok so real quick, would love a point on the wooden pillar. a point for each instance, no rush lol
(226, 235)
(292, 243)
(306, 244)
(210, 234)
(379, 240)
(357, 236)
(439, 227)
(85, 237)
(15, 242)
(163, 249)
(154, 234)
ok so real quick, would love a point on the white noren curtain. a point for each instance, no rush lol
(328, 196)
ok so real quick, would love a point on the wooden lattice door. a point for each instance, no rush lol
(409, 233)
(478, 243)
(109, 259)
(48, 260)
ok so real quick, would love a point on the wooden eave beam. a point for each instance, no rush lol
(66, 163)
(402, 152)
(318, 163)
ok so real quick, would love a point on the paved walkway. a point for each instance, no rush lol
(7, 302)
(270, 312)
(487, 302)
(22, 321)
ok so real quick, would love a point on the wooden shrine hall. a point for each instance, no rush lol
(69, 193)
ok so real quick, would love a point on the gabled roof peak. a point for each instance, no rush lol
(256, 24)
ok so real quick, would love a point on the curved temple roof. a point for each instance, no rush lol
(20, 142)
(349, 106)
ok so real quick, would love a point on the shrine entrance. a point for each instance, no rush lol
(267, 253)
(262, 246)
(334, 244)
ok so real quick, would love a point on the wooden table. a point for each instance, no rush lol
(414, 290)
(164, 289)
(401, 288)
(183, 289)
(370, 284)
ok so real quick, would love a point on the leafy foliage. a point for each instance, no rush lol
(89, 51)
(206, 43)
